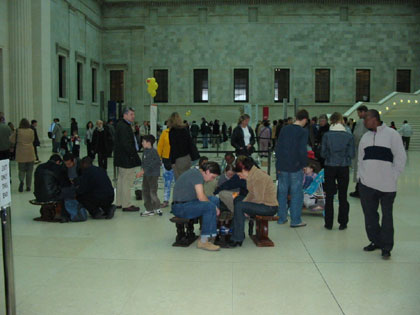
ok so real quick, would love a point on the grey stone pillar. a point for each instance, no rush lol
(20, 39)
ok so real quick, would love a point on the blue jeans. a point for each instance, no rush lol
(242, 207)
(195, 209)
(290, 183)
(168, 177)
(205, 141)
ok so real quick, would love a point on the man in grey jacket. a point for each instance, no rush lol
(359, 131)
(406, 132)
(57, 133)
(381, 160)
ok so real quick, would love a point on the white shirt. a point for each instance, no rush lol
(247, 135)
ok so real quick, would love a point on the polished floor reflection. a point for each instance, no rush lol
(127, 265)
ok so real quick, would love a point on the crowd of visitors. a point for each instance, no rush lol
(375, 151)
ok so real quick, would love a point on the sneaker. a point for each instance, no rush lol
(147, 213)
(207, 246)
(371, 247)
(302, 224)
(158, 212)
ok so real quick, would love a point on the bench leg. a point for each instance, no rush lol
(251, 227)
(261, 239)
(185, 234)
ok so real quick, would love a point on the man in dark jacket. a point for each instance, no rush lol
(291, 154)
(126, 159)
(48, 179)
(205, 129)
(36, 143)
(94, 190)
(194, 129)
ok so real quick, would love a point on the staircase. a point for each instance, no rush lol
(408, 112)
(396, 107)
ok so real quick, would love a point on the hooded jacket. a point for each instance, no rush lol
(381, 159)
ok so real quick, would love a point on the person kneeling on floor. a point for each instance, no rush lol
(48, 180)
(94, 190)
(189, 201)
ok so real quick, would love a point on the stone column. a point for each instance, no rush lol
(20, 39)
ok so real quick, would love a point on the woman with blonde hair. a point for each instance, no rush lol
(337, 150)
(25, 154)
(180, 143)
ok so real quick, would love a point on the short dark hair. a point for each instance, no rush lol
(212, 167)
(229, 154)
(243, 163)
(302, 114)
(56, 158)
(56, 119)
(73, 119)
(374, 113)
(68, 157)
(33, 121)
(405, 121)
(149, 138)
(86, 162)
(362, 108)
(202, 159)
(229, 167)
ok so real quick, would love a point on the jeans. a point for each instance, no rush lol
(242, 207)
(205, 141)
(56, 146)
(195, 209)
(381, 235)
(290, 183)
(94, 205)
(168, 177)
(341, 175)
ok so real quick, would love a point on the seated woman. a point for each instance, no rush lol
(261, 198)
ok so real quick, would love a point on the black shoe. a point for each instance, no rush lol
(342, 227)
(386, 254)
(232, 243)
(28, 188)
(355, 194)
(328, 227)
(110, 212)
(371, 247)
(21, 187)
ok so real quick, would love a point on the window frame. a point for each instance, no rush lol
(278, 70)
(247, 85)
(397, 70)
(316, 100)
(79, 81)
(62, 76)
(202, 88)
(356, 97)
(161, 86)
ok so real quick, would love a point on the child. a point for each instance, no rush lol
(75, 139)
(151, 172)
(310, 201)
(64, 143)
(229, 159)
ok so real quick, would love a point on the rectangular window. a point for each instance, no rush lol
(61, 76)
(281, 84)
(362, 85)
(403, 81)
(322, 85)
(161, 76)
(201, 85)
(94, 86)
(79, 81)
(241, 85)
(116, 85)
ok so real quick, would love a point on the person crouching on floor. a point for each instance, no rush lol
(150, 173)
(189, 201)
(94, 190)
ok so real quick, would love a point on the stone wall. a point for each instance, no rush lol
(76, 33)
(4, 59)
(302, 37)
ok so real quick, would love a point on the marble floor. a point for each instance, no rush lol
(127, 265)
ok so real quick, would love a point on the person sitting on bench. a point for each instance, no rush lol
(94, 190)
(261, 198)
(189, 201)
(48, 180)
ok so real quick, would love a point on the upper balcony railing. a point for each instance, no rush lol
(385, 104)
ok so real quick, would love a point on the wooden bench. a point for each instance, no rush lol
(185, 235)
(50, 210)
(261, 238)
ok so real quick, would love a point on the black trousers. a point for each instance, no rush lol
(94, 205)
(336, 177)
(380, 234)
(406, 142)
(4, 155)
(103, 160)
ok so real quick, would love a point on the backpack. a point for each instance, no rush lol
(73, 211)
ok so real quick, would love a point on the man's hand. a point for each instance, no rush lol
(140, 174)
(249, 146)
(217, 211)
